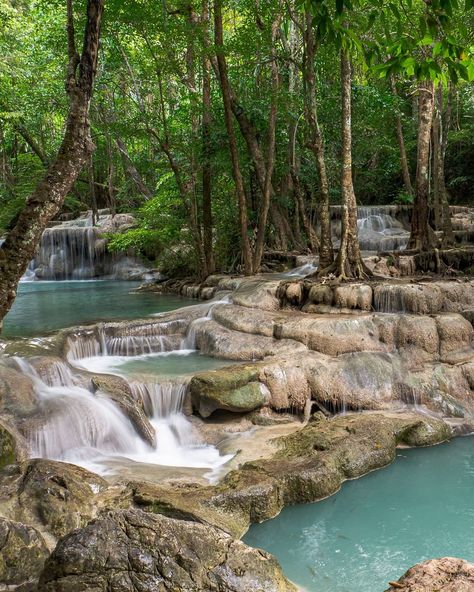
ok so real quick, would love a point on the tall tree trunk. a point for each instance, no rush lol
(420, 238)
(445, 124)
(237, 173)
(349, 262)
(46, 200)
(267, 187)
(206, 147)
(316, 145)
(191, 184)
(436, 132)
(401, 145)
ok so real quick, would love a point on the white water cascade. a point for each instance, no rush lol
(77, 250)
(87, 428)
(379, 230)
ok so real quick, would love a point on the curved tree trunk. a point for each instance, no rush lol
(46, 200)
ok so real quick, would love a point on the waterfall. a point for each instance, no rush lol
(302, 271)
(70, 252)
(146, 339)
(379, 230)
(160, 399)
(76, 425)
(77, 250)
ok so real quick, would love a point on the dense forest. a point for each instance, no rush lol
(229, 127)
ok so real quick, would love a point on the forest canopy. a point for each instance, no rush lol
(219, 123)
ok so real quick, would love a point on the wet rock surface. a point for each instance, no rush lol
(305, 466)
(444, 575)
(54, 497)
(22, 554)
(127, 551)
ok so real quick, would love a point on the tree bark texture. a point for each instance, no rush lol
(420, 238)
(47, 198)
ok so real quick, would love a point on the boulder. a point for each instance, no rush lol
(118, 390)
(134, 551)
(215, 340)
(52, 496)
(354, 296)
(22, 555)
(444, 575)
(234, 389)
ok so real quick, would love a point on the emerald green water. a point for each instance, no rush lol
(166, 364)
(375, 528)
(41, 307)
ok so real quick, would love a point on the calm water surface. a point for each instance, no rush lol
(375, 528)
(47, 306)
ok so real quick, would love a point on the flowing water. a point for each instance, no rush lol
(76, 422)
(377, 527)
(41, 307)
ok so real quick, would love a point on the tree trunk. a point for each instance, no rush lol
(445, 124)
(349, 262)
(316, 145)
(131, 170)
(206, 147)
(267, 187)
(401, 146)
(420, 238)
(237, 173)
(436, 157)
(46, 200)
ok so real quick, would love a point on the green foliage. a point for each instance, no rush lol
(403, 198)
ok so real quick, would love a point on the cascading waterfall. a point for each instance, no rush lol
(76, 425)
(77, 250)
(189, 340)
(302, 271)
(379, 230)
(70, 252)
(147, 339)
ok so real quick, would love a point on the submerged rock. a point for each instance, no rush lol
(444, 575)
(133, 551)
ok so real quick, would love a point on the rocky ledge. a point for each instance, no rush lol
(132, 551)
(444, 575)
(180, 535)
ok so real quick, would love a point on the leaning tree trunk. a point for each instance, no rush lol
(349, 262)
(420, 238)
(46, 200)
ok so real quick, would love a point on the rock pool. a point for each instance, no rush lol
(375, 528)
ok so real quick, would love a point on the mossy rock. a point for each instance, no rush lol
(22, 553)
(233, 389)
